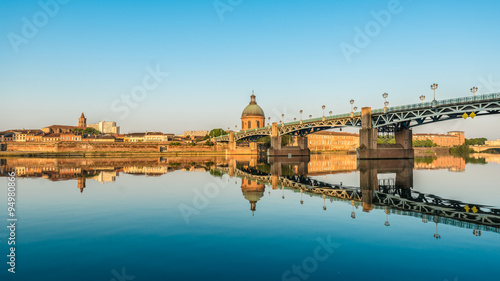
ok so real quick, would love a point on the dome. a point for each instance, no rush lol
(252, 109)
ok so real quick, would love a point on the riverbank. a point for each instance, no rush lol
(431, 151)
(8, 154)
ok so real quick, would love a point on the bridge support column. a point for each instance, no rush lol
(232, 143)
(369, 149)
(278, 150)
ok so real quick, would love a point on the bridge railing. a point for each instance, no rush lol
(440, 103)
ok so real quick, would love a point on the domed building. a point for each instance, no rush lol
(253, 115)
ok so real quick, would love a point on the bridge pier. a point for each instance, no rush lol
(369, 149)
(277, 149)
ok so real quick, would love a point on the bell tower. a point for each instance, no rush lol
(82, 122)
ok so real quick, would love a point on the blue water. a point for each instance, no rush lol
(134, 225)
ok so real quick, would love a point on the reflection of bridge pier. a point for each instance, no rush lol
(278, 150)
(369, 149)
(369, 170)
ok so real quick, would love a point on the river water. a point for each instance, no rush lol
(329, 217)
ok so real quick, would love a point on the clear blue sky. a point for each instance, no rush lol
(90, 53)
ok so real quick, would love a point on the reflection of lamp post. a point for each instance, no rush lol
(323, 107)
(301, 201)
(353, 214)
(434, 87)
(424, 219)
(473, 91)
(422, 98)
(476, 232)
(283, 196)
(387, 212)
(436, 220)
(324, 202)
(352, 113)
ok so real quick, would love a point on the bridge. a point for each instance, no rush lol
(398, 119)
(376, 194)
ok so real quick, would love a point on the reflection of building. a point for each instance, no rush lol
(452, 163)
(331, 163)
(448, 140)
(105, 127)
(252, 191)
(81, 184)
(106, 176)
(252, 116)
(333, 141)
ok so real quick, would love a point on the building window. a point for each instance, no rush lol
(249, 125)
(258, 124)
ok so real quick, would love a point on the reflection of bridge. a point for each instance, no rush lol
(396, 195)
(397, 119)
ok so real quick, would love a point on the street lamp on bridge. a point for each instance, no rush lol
(434, 87)
(331, 112)
(422, 98)
(385, 95)
(310, 116)
(352, 113)
(473, 91)
(323, 107)
(283, 118)
(301, 115)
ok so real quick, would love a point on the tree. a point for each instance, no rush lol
(475, 141)
(424, 143)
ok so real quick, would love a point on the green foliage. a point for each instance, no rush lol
(192, 144)
(387, 139)
(426, 160)
(88, 131)
(209, 143)
(175, 143)
(266, 141)
(472, 160)
(286, 140)
(475, 141)
(424, 143)
(462, 150)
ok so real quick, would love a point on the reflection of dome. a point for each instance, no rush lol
(253, 109)
(252, 191)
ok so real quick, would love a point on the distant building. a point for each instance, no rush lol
(332, 141)
(451, 139)
(25, 135)
(53, 137)
(71, 137)
(94, 138)
(105, 127)
(492, 143)
(157, 137)
(6, 136)
(59, 129)
(195, 133)
(134, 137)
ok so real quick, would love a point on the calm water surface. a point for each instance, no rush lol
(217, 218)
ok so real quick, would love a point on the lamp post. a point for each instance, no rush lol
(301, 115)
(473, 91)
(331, 112)
(323, 107)
(269, 121)
(385, 95)
(422, 98)
(434, 87)
(310, 116)
(283, 118)
(352, 113)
